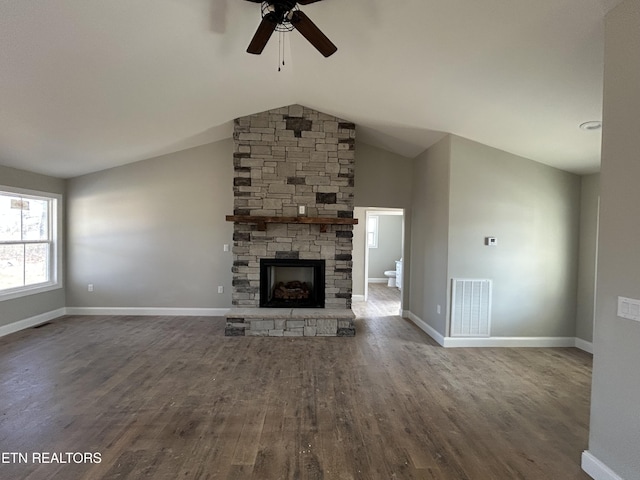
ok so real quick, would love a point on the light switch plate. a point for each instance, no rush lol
(629, 308)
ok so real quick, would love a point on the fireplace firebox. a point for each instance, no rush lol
(291, 283)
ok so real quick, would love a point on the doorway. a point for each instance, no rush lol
(378, 259)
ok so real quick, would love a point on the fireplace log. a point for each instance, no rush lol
(291, 291)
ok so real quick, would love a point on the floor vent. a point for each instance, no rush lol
(471, 307)
(42, 325)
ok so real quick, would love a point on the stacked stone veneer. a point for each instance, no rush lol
(288, 322)
(285, 158)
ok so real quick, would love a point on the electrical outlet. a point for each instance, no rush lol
(220, 289)
(225, 247)
(439, 309)
(90, 287)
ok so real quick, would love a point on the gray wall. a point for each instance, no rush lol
(590, 192)
(125, 223)
(533, 210)
(151, 233)
(382, 179)
(26, 307)
(430, 235)
(389, 245)
(615, 423)
(151, 205)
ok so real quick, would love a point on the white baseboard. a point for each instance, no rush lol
(546, 342)
(449, 342)
(425, 327)
(31, 322)
(596, 469)
(147, 311)
(377, 280)
(357, 298)
(584, 345)
(52, 315)
(458, 342)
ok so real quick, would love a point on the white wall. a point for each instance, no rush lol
(151, 233)
(615, 413)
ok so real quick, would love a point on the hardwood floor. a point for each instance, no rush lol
(171, 397)
(383, 301)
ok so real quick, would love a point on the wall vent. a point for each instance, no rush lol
(471, 307)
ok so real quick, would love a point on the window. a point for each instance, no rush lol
(372, 231)
(28, 242)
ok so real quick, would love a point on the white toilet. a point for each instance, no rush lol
(391, 274)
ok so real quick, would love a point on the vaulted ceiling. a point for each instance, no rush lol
(90, 84)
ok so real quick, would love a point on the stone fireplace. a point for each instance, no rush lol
(289, 160)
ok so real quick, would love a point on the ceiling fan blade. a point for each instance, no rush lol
(262, 35)
(307, 2)
(312, 33)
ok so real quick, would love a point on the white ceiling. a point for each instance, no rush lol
(90, 84)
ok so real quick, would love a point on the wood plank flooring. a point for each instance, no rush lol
(383, 302)
(172, 397)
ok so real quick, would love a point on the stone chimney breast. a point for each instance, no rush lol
(284, 159)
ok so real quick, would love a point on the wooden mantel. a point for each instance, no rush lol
(262, 221)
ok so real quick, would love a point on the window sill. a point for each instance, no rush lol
(31, 290)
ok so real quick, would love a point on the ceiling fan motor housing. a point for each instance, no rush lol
(286, 5)
(279, 12)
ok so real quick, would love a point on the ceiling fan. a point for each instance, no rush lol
(284, 16)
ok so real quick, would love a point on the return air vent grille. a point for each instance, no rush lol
(470, 308)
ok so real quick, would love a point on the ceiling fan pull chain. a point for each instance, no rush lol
(279, 49)
(283, 46)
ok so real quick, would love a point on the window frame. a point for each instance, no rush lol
(55, 243)
(376, 220)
